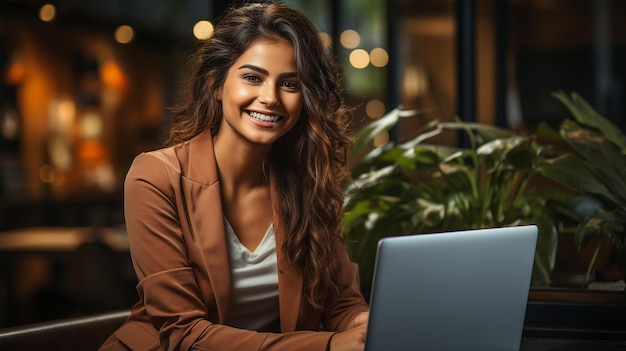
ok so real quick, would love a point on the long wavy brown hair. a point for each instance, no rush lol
(308, 164)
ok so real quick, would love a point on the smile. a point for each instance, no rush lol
(264, 117)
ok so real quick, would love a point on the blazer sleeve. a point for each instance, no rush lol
(350, 302)
(167, 285)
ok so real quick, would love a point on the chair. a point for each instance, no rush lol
(79, 333)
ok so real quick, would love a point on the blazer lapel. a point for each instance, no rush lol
(289, 276)
(200, 184)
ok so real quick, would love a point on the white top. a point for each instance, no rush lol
(254, 279)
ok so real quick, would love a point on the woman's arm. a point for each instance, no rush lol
(350, 304)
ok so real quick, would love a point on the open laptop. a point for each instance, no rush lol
(464, 290)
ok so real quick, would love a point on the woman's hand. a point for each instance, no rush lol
(359, 319)
(352, 339)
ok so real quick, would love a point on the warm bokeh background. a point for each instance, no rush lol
(86, 85)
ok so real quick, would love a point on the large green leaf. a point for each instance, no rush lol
(485, 131)
(587, 115)
(365, 136)
(602, 158)
(574, 173)
(545, 257)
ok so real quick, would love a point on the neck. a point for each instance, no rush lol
(241, 166)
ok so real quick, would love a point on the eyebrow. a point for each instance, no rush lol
(266, 72)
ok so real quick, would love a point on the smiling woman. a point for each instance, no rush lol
(235, 227)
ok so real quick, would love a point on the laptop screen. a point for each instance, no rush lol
(464, 290)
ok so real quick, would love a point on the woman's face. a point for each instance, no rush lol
(262, 95)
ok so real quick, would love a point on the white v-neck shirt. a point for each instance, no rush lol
(254, 283)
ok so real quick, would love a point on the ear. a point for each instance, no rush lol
(217, 94)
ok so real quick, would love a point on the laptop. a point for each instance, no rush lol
(464, 290)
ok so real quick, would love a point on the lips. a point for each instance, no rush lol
(264, 118)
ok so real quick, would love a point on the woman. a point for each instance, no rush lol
(235, 228)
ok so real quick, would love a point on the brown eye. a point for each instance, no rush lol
(251, 78)
(291, 85)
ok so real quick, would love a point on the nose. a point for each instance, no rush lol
(268, 95)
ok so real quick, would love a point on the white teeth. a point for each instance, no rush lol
(265, 118)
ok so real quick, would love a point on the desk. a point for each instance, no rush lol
(550, 344)
(66, 239)
(51, 273)
(574, 326)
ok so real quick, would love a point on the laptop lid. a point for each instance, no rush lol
(464, 290)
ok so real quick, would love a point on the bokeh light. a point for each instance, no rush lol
(47, 13)
(359, 58)
(375, 108)
(381, 139)
(349, 39)
(203, 30)
(379, 57)
(124, 34)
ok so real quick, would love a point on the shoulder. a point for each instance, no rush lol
(153, 160)
(159, 168)
(164, 168)
(172, 158)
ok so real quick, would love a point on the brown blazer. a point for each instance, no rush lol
(175, 227)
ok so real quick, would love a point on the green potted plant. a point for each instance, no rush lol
(414, 187)
(594, 167)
